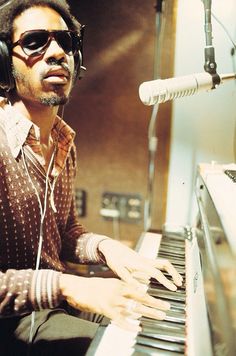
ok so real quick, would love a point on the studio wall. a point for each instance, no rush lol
(203, 125)
(111, 123)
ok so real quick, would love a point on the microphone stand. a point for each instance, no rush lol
(152, 139)
(209, 51)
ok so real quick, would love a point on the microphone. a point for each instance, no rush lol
(159, 91)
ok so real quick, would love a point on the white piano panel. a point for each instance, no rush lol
(197, 327)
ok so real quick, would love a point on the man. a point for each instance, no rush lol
(39, 228)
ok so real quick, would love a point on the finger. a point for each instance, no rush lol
(127, 277)
(150, 312)
(168, 267)
(135, 310)
(127, 323)
(141, 276)
(155, 303)
(159, 276)
(145, 299)
(122, 317)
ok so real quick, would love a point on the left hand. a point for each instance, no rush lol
(127, 264)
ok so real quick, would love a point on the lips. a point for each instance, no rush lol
(60, 76)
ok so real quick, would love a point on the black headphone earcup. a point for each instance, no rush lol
(79, 68)
(6, 78)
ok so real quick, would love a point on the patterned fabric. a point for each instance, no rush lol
(28, 290)
(24, 215)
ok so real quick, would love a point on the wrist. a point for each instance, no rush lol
(63, 284)
(67, 282)
(100, 245)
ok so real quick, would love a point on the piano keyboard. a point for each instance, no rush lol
(202, 319)
(166, 337)
(157, 337)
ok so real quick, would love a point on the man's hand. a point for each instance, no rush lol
(128, 264)
(118, 300)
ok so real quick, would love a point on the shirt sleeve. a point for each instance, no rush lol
(87, 249)
(23, 291)
(79, 245)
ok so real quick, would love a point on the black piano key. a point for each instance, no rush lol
(176, 250)
(176, 247)
(141, 350)
(173, 238)
(163, 327)
(167, 335)
(161, 344)
(167, 295)
(175, 327)
(178, 306)
(176, 244)
(176, 314)
(175, 318)
(172, 251)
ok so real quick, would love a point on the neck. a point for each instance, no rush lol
(41, 115)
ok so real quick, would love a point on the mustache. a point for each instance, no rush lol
(61, 63)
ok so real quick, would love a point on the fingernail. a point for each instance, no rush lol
(179, 283)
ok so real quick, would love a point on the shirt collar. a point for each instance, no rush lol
(18, 127)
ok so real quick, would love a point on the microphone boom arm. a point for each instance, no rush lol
(209, 51)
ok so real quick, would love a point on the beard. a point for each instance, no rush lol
(55, 98)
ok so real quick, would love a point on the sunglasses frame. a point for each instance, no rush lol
(75, 36)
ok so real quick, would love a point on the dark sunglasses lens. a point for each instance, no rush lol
(65, 40)
(34, 42)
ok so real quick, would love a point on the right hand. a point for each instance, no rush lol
(111, 297)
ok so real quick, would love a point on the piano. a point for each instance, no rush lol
(202, 318)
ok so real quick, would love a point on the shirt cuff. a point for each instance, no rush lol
(87, 249)
(45, 292)
(23, 291)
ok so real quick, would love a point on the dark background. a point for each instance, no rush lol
(110, 121)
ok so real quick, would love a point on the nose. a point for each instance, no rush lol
(54, 50)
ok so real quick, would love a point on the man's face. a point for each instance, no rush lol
(46, 78)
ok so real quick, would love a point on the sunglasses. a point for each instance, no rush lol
(36, 42)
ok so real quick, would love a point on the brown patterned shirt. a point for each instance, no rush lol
(31, 206)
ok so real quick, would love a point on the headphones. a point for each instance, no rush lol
(7, 81)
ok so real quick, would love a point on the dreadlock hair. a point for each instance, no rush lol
(15, 7)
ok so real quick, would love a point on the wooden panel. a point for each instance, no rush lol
(105, 110)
